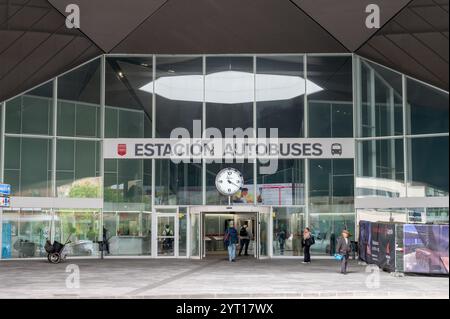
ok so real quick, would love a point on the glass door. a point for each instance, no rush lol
(263, 241)
(167, 235)
(195, 235)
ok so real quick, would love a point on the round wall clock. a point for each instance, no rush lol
(229, 181)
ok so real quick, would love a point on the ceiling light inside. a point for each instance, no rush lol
(231, 87)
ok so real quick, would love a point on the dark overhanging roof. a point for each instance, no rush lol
(415, 42)
(35, 45)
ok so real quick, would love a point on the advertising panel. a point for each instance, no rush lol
(426, 248)
(377, 244)
(364, 241)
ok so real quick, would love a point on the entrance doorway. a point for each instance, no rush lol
(214, 226)
(207, 226)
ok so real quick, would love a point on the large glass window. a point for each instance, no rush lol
(428, 166)
(288, 225)
(327, 228)
(330, 100)
(127, 184)
(437, 215)
(178, 184)
(77, 168)
(28, 166)
(427, 109)
(380, 109)
(78, 101)
(128, 233)
(392, 215)
(25, 233)
(128, 97)
(381, 168)
(179, 94)
(182, 231)
(81, 227)
(283, 187)
(32, 112)
(166, 235)
(331, 186)
(280, 90)
(331, 180)
(229, 92)
(246, 196)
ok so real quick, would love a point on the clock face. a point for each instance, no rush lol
(229, 181)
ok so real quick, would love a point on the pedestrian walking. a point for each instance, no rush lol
(244, 236)
(307, 242)
(281, 236)
(230, 241)
(344, 248)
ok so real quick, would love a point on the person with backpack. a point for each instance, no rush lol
(281, 236)
(307, 242)
(230, 240)
(244, 236)
(168, 242)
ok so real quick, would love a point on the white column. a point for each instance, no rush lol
(102, 136)
(307, 161)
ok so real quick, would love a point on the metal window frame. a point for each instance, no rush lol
(356, 80)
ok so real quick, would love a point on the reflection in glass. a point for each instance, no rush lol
(32, 112)
(437, 215)
(77, 169)
(381, 168)
(380, 110)
(25, 233)
(177, 78)
(330, 109)
(428, 168)
(127, 184)
(331, 186)
(264, 229)
(81, 227)
(128, 110)
(79, 101)
(166, 235)
(245, 196)
(28, 166)
(427, 109)
(393, 215)
(327, 228)
(284, 187)
(227, 107)
(288, 225)
(285, 111)
(178, 183)
(182, 231)
(128, 233)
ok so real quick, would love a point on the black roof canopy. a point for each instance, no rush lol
(35, 44)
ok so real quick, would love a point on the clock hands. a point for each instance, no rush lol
(230, 182)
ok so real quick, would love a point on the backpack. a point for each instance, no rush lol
(312, 241)
(243, 232)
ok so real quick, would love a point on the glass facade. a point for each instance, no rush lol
(402, 135)
(52, 150)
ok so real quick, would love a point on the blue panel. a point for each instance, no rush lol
(6, 241)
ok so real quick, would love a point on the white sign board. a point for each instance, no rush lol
(213, 149)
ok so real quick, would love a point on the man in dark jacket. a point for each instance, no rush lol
(231, 238)
(344, 248)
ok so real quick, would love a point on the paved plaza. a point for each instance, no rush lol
(213, 278)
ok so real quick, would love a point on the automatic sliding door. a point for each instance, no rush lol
(167, 235)
(195, 235)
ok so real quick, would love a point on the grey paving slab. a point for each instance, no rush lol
(215, 278)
